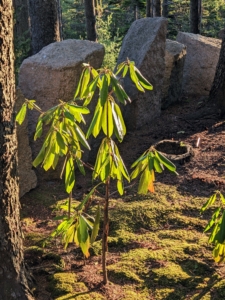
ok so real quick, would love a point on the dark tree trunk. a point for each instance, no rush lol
(217, 93)
(194, 16)
(148, 8)
(90, 20)
(21, 26)
(22, 37)
(13, 282)
(45, 23)
(157, 12)
(199, 15)
(165, 8)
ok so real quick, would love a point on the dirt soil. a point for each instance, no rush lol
(193, 121)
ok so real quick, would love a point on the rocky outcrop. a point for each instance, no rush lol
(145, 44)
(27, 177)
(53, 74)
(200, 63)
(174, 64)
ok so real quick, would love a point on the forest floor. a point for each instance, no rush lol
(157, 248)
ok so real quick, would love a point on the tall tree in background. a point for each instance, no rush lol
(13, 282)
(90, 19)
(217, 92)
(148, 8)
(165, 8)
(194, 16)
(157, 11)
(45, 23)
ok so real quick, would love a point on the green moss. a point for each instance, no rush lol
(61, 284)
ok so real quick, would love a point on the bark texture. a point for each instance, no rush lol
(217, 92)
(90, 20)
(165, 8)
(148, 8)
(194, 16)
(13, 284)
(157, 11)
(45, 23)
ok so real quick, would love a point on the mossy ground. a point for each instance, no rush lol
(157, 250)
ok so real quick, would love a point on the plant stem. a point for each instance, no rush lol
(69, 204)
(105, 233)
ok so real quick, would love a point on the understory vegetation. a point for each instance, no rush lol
(156, 244)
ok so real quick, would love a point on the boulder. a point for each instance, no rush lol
(53, 74)
(144, 43)
(174, 64)
(27, 177)
(200, 63)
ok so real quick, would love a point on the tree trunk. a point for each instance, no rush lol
(165, 8)
(13, 282)
(194, 16)
(90, 20)
(199, 15)
(45, 23)
(22, 37)
(217, 93)
(157, 12)
(148, 8)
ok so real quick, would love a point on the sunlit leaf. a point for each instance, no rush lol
(69, 175)
(165, 161)
(21, 114)
(104, 90)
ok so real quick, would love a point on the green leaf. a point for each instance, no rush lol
(120, 67)
(74, 109)
(90, 91)
(98, 124)
(81, 137)
(134, 78)
(165, 161)
(83, 229)
(104, 90)
(143, 81)
(49, 160)
(80, 165)
(150, 161)
(96, 225)
(40, 156)
(38, 131)
(93, 122)
(21, 114)
(157, 165)
(110, 119)
(220, 236)
(126, 68)
(142, 157)
(144, 181)
(69, 175)
(213, 219)
(120, 119)
(105, 119)
(85, 82)
(120, 187)
(60, 141)
(209, 202)
(117, 89)
(79, 84)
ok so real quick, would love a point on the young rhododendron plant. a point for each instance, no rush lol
(66, 139)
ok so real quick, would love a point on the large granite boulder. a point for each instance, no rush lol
(27, 177)
(53, 74)
(144, 43)
(174, 64)
(200, 63)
